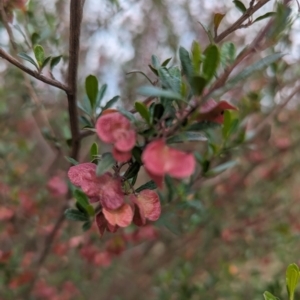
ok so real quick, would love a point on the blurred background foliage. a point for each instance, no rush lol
(230, 239)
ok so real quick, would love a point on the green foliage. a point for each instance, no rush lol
(91, 87)
(107, 161)
(240, 6)
(210, 62)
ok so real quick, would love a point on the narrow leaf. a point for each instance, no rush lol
(228, 53)
(196, 56)
(150, 185)
(127, 114)
(186, 62)
(187, 136)
(155, 61)
(211, 62)
(132, 170)
(240, 6)
(267, 15)
(226, 124)
(269, 296)
(198, 84)
(101, 94)
(153, 70)
(39, 54)
(111, 102)
(107, 161)
(46, 61)
(292, 279)
(71, 160)
(76, 215)
(217, 21)
(165, 63)
(91, 87)
(55, 61)
(142, 109)
(81, 198)
(258, 66)
(222, 168)
(28, 58)
(86, 225)
(157, 92)
(94, 151)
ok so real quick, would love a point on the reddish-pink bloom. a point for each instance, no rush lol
(147, 207)
(106, 188)
(214, 111)
(114, 128)
(103, 224)
(159, 160)
(57, 186)
(121, 217)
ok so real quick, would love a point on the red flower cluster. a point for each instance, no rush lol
(107, 190)
(114, 128)
(159, 160)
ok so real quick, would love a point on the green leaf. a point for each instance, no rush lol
(187, 136)
(292, 279)
(55, 61)
(71, 160)
(258, 66)
(106, 163)
(150, 185)
(101, 94)
(28, 58)
(167, 80)
(221, 168)
(94, 151)
(228, 53)
(111, 102)
(155, 61)
(196, 57)
(240, 6)
(132, 170)
(35, 37)
(157, 92)
(269, 296)
(171, 188)
(76, 215)
(157, 112)
(153, 70)
(226, 124)
(198, 84)
(186, 63)
(165, 63)
(85, 122)
(46, 61)
(142, 109)
(39, 54)
(211, 62)
(87, 225)
(202, 126)
(81, 198)
(267, 15)
(127, 114)
(217, 21)
(137, 154)
(91, 87)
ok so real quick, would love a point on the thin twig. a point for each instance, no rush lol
(239, 23)
(34, 74)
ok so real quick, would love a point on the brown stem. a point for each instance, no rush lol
(76, 9)
(239, 23)
(34, 74)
